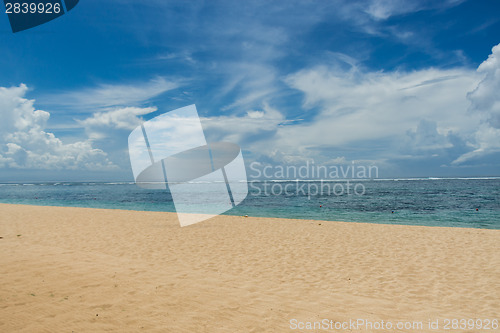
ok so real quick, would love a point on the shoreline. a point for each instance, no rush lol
(254, 217)
(87, 269)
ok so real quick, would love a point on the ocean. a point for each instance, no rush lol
(447, 202)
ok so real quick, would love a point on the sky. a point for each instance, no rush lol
(412, 87)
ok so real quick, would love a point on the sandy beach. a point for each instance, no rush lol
(92, 270)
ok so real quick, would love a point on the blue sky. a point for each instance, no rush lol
(409, 86)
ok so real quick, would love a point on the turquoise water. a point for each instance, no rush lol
(430, 202)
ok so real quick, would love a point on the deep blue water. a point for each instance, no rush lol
(430, 202)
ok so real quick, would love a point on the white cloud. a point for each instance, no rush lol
(116, 109)
(25, 144)
(357, 106)
(426, 138)
(383, 9)
(255, 114)
(253, 126)
(99, 125)
(422, 113)
(485, 104)
(405, 112)
(250, 82)
(485, 99)
(486, 141)
(108, 95)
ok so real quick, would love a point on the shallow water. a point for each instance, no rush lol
(430, 202)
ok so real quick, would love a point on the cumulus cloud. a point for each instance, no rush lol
(486, 142)
(426, 146)
(115, 110)
(427, 138)
(485, 104)
(453, 114)
(24, 142)
(352, 114)
(356, 107)
(357, 115)
(485, 98)
(99, 125)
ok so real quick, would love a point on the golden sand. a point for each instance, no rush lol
(94, 270)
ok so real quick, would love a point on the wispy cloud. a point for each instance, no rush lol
(111, 95)
(384, 9)
(418, 113)
(255, 67)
